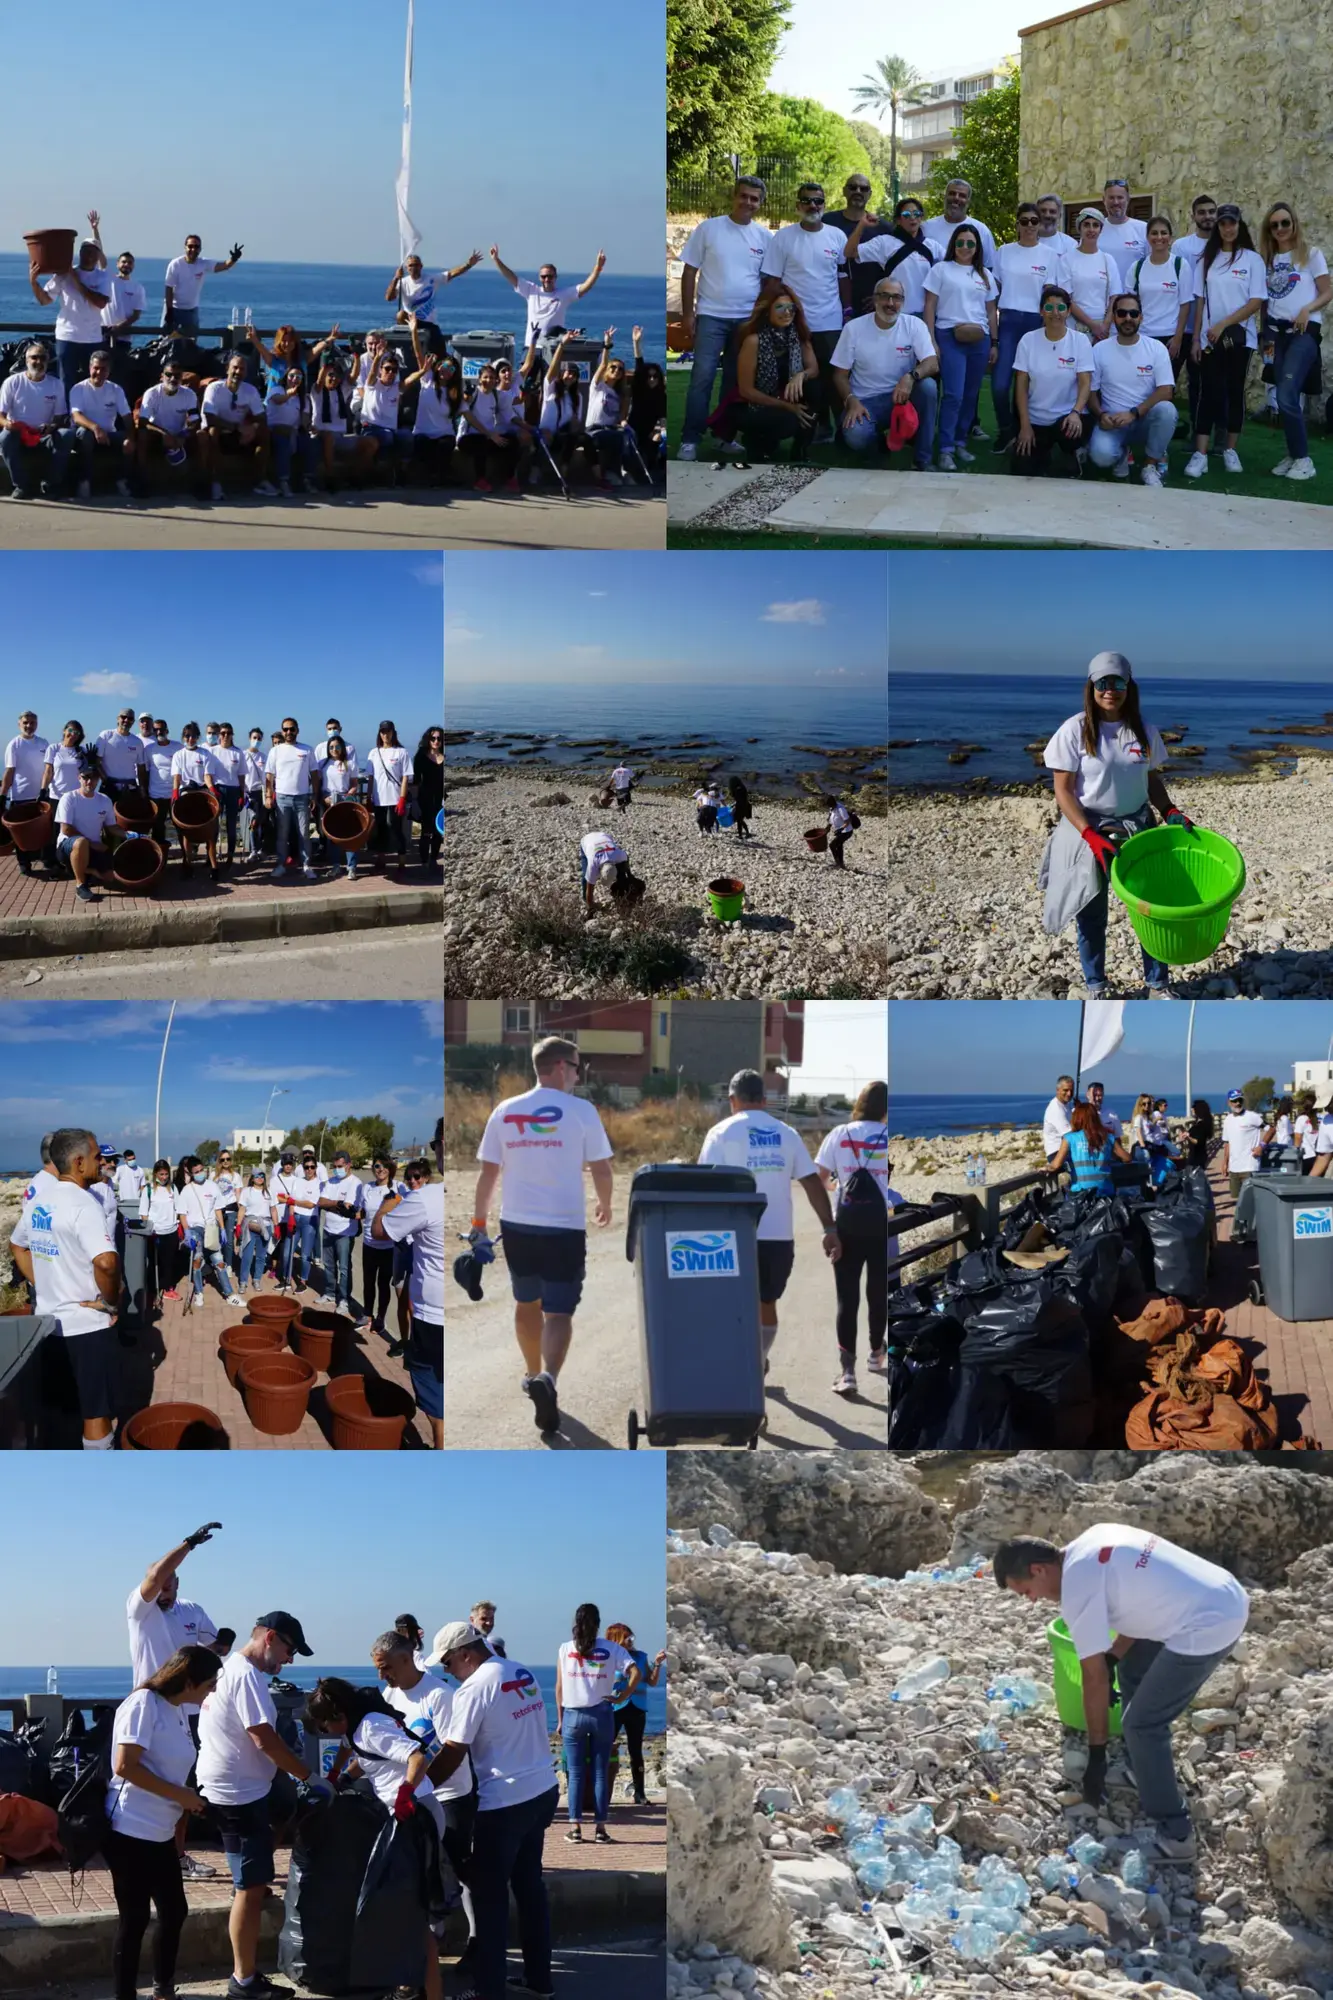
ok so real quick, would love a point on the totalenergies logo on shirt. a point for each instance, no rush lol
(593, 1658)
(868, 1148)
(539, 1123)
(523, 1683)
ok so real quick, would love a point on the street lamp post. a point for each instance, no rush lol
(263, 1144)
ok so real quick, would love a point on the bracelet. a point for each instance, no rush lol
(479, 1222)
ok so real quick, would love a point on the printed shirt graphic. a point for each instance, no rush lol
(426, 1709)
(1115, 778)
(587, 1678)
(773, 1153)
(542, 1139)
(500, 1715)
(1126, 1581)
(862, 1143)
(65, 1229)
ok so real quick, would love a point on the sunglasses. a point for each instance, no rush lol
(911, 214)
(1281, 222)
(1111, 685)
(1127, 312)
(1055, 306)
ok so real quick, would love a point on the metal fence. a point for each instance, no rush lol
(709, 192)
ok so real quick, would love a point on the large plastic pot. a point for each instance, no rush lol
(272, 1309)
(816, 839)
(369, 1414)
(248, 1339)
(30, 825)
(51, 251)
(137, 865)
(1068, 1680)
(135, 812)
(315, 1334)
(175, 1427)
(6, 839)
(348, 825)
(277, 1389)
(194, 812)
(727, 897)
(1179, 884)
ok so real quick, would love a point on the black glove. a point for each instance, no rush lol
(1094, 1777)
(236, 250)
(204, 1534)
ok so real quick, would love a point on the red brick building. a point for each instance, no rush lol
(701, 1041)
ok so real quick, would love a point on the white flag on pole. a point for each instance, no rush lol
(409, 236)
(1103, 1031)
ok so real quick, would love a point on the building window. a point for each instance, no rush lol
(518, 1020)
(662, 1022)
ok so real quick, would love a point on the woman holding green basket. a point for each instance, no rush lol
(1107, 764)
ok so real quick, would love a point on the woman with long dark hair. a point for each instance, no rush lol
(1232, 285)
(163, 1245)
(903, 252)
(152, 1754)
(1200, 1132)
(776, 374)
(1052, 381)
(585, 1672)
(439, 384)
(390, 776)
(647, 409)
(853, 1164)
(608, 412)
(962, 316)
(561, 421)
(1299, 287)
(1107, 766)
(1304, 1129)
(428, 774)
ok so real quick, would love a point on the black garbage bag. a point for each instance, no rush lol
(77, 1748)
(1084, 1215)
(923, 1376)
(358, 1891)
(1035, 1206)
(1090, 1275)
(1024, 1374)
(401, 1885)
(1179, 1229)
(19, 1768)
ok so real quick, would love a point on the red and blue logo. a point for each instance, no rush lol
(541, 1122)
(523, 1684)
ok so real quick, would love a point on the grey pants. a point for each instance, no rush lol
(1155, 1687)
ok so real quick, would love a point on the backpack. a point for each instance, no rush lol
(863, 1213)
(854, 819)
(1137, 266)
(81, 1818)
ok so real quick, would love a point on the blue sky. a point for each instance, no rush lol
(370, 1547)
(531, 127)
(830, 44)
(670, 618)
(95, 1063)
(1236, 617)
(1012, 1047)
(238, 638)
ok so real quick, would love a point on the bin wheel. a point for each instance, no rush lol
(1256, 1292)
(634, 1430)
(753, 1443)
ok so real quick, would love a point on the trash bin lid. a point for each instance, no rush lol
(1294, 1189)
(666, 1181)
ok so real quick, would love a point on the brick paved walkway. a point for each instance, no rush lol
(43, 895)
(1294, 1358)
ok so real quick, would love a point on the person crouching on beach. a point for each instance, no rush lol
(622, 784)
(604, 860)
(706, 802)
(82, 818)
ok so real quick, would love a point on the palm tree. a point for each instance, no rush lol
(894, 85)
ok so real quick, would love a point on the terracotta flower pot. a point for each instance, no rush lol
(348, 826)
(30, 825)
(369, 1414)
(135, 813)
(316, 1334)
(194, 812)
(175, 1427)
(51, 251)
(137, 865)
(247, 1339)
(277, 1389)
(271, 1308)
(816, 839)
(6, 839)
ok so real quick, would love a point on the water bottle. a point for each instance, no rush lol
(52, 1681)
(1053, 1873)
(1089, 1853)
(975, 1940)
(843, 1803)
(875, 1874)
(981, 1169)
(720, 1537)
(989, 1738)
(1135, 1871)
(928, 1673)
(970, 1172)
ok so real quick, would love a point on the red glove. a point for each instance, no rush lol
(402, 807)
(1101, 847)
(405, 1804)
(1177, 818)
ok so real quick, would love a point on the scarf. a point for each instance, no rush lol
(778, 358)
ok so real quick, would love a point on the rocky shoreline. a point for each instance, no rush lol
(964, 915)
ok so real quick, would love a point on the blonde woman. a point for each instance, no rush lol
(1299, 287)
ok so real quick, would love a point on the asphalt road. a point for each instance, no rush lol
(398, 964)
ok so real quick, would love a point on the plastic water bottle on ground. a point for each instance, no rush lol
(1054, 1873)
(720, 1537)
(1001, 1883)
(869, 1847)
(970, 1169)
(926, 1674)
(920, 1819)
(1134, 1871)
(920, 1907)
(843, 1803)
(875, 1874)
(1089, 1853)
(977, 1940)
(981, 1169)
(989, 1738)
(52, 1681)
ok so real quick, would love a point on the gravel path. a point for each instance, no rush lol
(964, 917)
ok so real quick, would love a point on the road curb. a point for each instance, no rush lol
(248, 923)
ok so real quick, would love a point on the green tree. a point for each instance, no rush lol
(876, 144)
(208, 1150)
(362, 1133)
(891, 86)
(473, 1065)
(719, 54)
(800, 133)
(986, 155)
(1260, 1090)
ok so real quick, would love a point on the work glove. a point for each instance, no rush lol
(1101, 847)
(1177, 818)
(236, 250)
(405, 1804)
(401, 807)
(482, 1247)
(204, 1534)
(1094, 1775)
(314, 1791)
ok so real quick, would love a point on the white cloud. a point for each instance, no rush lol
(582, 652)
(122, 684)
(237, 1069)
(429, 573)
(457, 633)
(799, 611)
(599, 593)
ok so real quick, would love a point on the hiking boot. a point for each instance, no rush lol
(1161, 1847)
(546, 1410)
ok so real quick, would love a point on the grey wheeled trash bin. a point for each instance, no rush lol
(1294, 1226)
(691, 1239)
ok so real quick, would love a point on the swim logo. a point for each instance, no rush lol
(760, 1135)
(538, 1124)
(1312, 1222)
(41, 1218)
(702, 1253)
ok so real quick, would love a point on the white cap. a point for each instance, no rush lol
(1102, 664)
(450, 1637)
(608, 872)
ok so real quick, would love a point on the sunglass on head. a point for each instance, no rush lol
(1111, 685)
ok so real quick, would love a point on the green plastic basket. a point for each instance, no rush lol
(1068, 1678)
(1178, 884)
(727, 897)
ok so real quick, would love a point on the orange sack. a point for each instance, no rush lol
(1162, 1422)
(27, 1828)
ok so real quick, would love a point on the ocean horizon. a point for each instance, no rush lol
(938, 1116)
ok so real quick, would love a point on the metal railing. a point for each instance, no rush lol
(981, 1218)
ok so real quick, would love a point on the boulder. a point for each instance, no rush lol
(720, 1885)
(1298, 1826)
(1270, 1950)
(860, 1512)
(816, 1884)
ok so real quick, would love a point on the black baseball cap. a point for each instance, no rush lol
(287, 1628)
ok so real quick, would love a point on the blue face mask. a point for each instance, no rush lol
(201, 1176)
(338, 1174)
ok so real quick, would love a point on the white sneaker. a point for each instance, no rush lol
(1301, 468)
(85, 489)
(1153, 475)
(267, 490)
(981, 436)
(878, 1364)
(1120, 470)
(1161, 993)
(311, 874)
(947, 462)
(688, 452)
(235, 1299)
(846, 1383)
(1231, 460)
(968, 457)
(285, 488)
(217, 492)
(1197, 466)
(1283, 467)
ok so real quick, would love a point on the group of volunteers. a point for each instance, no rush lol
(299, 414)
(1294, 1120)
(270, 795)
(195, 1219)
(533, 1153)
(459, 1759)
(879, 330)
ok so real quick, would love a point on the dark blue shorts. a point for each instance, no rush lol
(247, 1842)
(545, 1265)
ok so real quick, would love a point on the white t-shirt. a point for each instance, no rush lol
(1055, 1125)
(1162, 292)
(1021, 274)
(586, 1678)
(230, 407)
(541, 1139)
(75, 318)
(1059, 240)
(1324, 1137)
(1125, 377)
(65, 1228)
(187, 280)
(421, 1217)
(169, 410)
(27, 758)
(196, 1202)
(622, 777)
(1282, 1131)
(878, 357)
(284, 411)
(597, 850)
(349, 1190)
(127, 297)
(426, 1709)
(162, 1731)
(937, 231)
(1115, 779)
(379, 403)
(387, 1768)
(162, 1211)
(372, 1198)
(727, 255)
(101, 406)
(1053, 368)
(1110, 1123)
(233, 1770)
(434, 418)
(808, 260)
(156, 1634)
(103, 1192)
(605, 403)
(1291, 286)
(254, 769)
(545, 309)
(1093, 281)
(230, 762)
(256, 1205)
(499, 1714)
(65, 765)
(1240, 1135)
(1304, 1130)
(1232, 280)
(90, 817)
(36, 404)
(340, 780)
(960, 294)
(122, 756)
(129, 1181)
(196, 767)
(388, 768)
(1125, 240)
(417, 295)
(1193, 247)
(291, 766)
(1137, 1585)
(774, 1154)
(160, 757)
(861, 1142)
(911, 273)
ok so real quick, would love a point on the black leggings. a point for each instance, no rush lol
(145, 1872)
(163, 1254)
(430, 843)
(376, 1274)
(389, 823)
(1222, 390)
(873, 1258)
(633, 1720)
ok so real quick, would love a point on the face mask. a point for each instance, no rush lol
(212, 737)
(201, 1176)
(338, 1174)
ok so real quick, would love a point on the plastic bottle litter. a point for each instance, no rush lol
(875, 1874)
(981, 1169)
(920, 1907)
(1053, 1873)
(52, 1681)
(1089, 1853)
(720, 1537)
(927, 1673)
(1001, 1883)
(1018, 1692)
(853, 1930)
(970, 1170)
(963, 1573)
(990, 1738)
(920, 1819)
(843, 1803)
(1134, 1870)
(975, 1940)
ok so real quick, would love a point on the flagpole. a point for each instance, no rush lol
(161, 1065)
(409, 236)
(1189, 1060)
(1078, 1066)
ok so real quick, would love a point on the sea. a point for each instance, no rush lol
(114, 1683)
(933, 713)
(313, 296)
(940, 1117)
(758, 728)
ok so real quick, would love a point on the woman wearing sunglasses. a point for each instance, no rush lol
(1052, 383)
(963, 320)
(1094, 276)
(1233, 289)
(1299, 288)
(1107, 764)
(902, 252)
(1022, 270)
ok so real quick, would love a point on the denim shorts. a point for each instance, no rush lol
(247, 1842)
(424, 1362)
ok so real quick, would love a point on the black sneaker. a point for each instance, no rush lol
(546, 1410)
(261, 1987)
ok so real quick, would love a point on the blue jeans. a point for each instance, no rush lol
(293, 818)
(337, 1262)
(299, 1247)
(1090, 925)
(1013, 325)
(507, 1854)
(962, 370)
(1156, 1686)
(85, 448)
(1152, 433)
(200, 1258)
(713, 348)
(1299, 354)
(72, 358)
(27, 463)
(254, 1257)
(288, 443)
(862, 435)
(183, 319)
(387, 440)
(588, 1735)
(230, 798)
